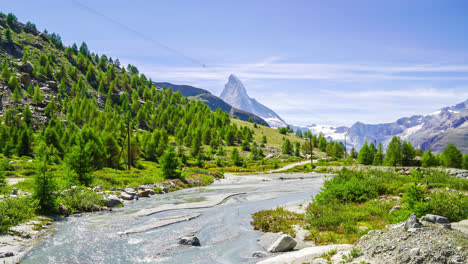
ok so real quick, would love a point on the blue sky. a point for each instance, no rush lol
(334, 62)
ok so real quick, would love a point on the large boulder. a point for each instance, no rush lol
(63, 210)
(26, 67)
(25, 79)
(113, 201)
(437, 219)
(190, 241)
(412, 222)
(52, 84)
(282, 244)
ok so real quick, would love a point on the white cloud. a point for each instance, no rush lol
(273, 69)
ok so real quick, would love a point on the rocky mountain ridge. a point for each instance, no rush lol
(435, 131)
(235, 94)
(211, 100)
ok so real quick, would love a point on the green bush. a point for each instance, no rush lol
(350, 186)
(15, 211)
(276, 220)
(452, 205)
(81, 199)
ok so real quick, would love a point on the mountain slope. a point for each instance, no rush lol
(211, 100)
(435, 131)
(236, 95)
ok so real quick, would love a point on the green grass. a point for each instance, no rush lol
(273, 136)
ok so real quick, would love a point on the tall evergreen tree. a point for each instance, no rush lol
(287, 147)
(393, 155)
(378, 157)
(428, 159)
(407, 153)
(170, 164)
(452, 157)
(45, 186)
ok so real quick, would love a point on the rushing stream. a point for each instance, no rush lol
(224, 229)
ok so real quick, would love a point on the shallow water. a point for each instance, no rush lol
(224, 230)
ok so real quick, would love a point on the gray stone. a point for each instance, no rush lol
(113, 201)
(6, 254)
(436, 219)
(52, 84)
(144, 193)
(129, 196)
(394, 208)
(282, 244)
(63, 210)
(259, 254)
(412, 222)
(270, 156)
(97, 189)
(14, 192)
(26, 67)
(190, 241)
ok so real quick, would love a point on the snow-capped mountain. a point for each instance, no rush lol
(435, 131)
(235, 94)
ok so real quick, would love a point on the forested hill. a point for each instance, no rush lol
(213, 101)
(75, 101)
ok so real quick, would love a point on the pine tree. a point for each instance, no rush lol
(235, 157)
(24, 147)
(365, 155)
(297, 151)
(428, 159)
(378, 157)
(8, 34)
(16, 96)
(465, 162)
(287, 147)
(37, 97)
(407, 153)
(45, 187)
(79, 163)
(354, 153)
(393, 155)
(13, 83)
(169, 164)
(452, 157)
(5, 71)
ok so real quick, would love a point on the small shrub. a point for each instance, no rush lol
(15, 211)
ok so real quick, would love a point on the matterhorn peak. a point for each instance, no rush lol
(235, 94)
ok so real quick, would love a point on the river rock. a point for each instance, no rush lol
(412, 222)
(190, 241)
(97, 189)
(259, 254)
(63, 210)
(436, 219)
(144, 193)
(282, 244)
(129, 196)
(113, 201)
(6, 254)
